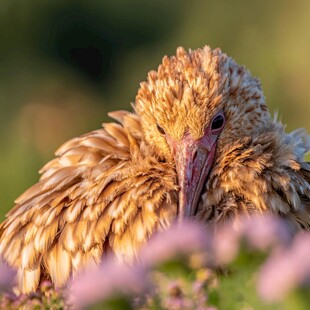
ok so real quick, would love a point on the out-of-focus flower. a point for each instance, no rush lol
(45, 298)
(176, 299)
(181, 239)
(285, 269)
(109, 280)
(225, 244)
(7, 277)
(178, 303)
(46, 286)
(265, 231)
(259, 232)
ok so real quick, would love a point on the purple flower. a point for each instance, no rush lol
(7, 277)
(285, 269)
(265, 231)
(182, 238)
(178, 303)
(259, 232)
(109, 279)
(225, 244)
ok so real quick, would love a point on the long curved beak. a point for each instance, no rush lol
(194, 160)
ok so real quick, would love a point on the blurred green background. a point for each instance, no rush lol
(65, 64)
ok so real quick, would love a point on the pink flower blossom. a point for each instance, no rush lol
(265, 231)
(285, 269)
(109, 279)
(7, 277)
(259, 232)
(182, 238)
(225, 244)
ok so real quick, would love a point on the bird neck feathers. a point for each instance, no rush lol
(264, 172)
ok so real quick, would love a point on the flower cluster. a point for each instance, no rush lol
(110, 280)
(286, 269)
(45, 298)
(7, 277)
(254, 263)
(179, 268)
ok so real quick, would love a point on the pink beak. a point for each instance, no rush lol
(194, 160)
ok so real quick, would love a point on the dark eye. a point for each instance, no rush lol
(161, 130)
(217, 123)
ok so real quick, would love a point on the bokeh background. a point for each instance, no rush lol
(65, 64)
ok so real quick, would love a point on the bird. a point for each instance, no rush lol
(199, 143)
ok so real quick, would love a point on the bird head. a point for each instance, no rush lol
(191, 107)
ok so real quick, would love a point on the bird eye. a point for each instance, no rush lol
(161, 130)
(217, 123)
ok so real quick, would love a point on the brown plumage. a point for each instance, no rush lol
(201, 143)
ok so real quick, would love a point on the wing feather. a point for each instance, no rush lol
(88, 201)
